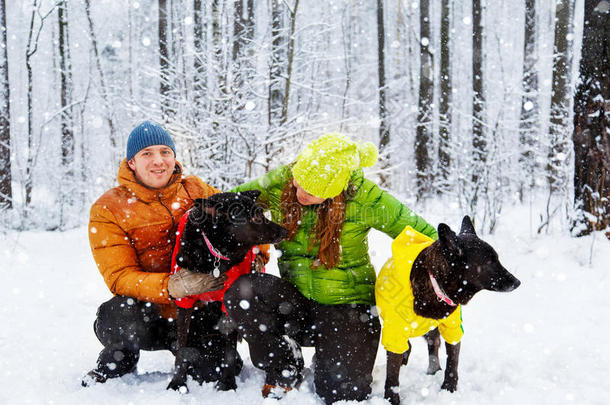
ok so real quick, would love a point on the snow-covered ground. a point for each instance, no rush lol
(544, 343)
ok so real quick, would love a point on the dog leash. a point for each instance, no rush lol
(217, 255)
(440, 293)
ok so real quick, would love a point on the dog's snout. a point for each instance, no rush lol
(510, 283)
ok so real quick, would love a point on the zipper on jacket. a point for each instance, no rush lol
(160, 195)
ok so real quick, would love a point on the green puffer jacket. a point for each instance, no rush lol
(353, 280)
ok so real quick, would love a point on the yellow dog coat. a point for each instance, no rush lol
(394, 298)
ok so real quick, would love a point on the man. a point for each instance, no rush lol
(132, 232)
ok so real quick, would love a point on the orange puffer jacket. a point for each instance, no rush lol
(132, 230)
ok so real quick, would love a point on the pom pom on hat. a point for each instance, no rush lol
(324, 167)
(368, 154)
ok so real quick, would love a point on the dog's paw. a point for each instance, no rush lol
(228, 385)
(392, 395)
(178, 386)
(433, 368)
(449, 385)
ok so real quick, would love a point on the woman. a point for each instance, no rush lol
(326, 294)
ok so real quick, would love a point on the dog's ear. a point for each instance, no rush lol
(253, 194)
(449, 239)
(467, 227)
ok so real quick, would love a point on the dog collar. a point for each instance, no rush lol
(213, 251)
(440, 293)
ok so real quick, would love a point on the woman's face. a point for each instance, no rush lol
(304, 197)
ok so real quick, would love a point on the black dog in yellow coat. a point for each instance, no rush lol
(420, 292)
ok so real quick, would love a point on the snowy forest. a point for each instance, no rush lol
(480, 104)
(497, 109)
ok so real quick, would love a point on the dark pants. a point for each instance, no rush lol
(276, 320)
(125, 326)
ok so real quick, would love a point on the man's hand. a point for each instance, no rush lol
(186, 282)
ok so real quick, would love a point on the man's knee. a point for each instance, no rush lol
(122, 320)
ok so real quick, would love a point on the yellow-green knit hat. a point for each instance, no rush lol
(325, 166)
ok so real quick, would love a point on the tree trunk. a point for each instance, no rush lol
(592, 123)
(444, 155)
(199, 59)
(278, 55)
(560, 98)
(289, 62)
(529, 119)
(163, 61)
(384, 130)
(6, 194)
(243, 35)
(479, 141)
(426, 99)
(30, 50)
(103, 89)
(67, 127)
(220, 78)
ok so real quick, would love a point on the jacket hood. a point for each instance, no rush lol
(127, 178)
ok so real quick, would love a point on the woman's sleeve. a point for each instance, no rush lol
(276, 178)
(382, 211)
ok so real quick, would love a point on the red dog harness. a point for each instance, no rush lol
(233, 274)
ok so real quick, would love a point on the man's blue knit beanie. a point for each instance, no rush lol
(147, 134)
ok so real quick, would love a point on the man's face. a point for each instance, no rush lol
(154, 166)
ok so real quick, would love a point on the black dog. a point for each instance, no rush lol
(461, 265)
(232, 223)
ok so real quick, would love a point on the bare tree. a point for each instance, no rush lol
(6, 194)
(384, 130)
(444, 156)
(103, 87)
(30, 50)
(164, 79)
(426, 99)
(529, 119)
(277, 56)
(292, 13)
(592, 123)
(479, 140)
(283, 27)
(560, 98)
(199, 60)
(66, 116)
